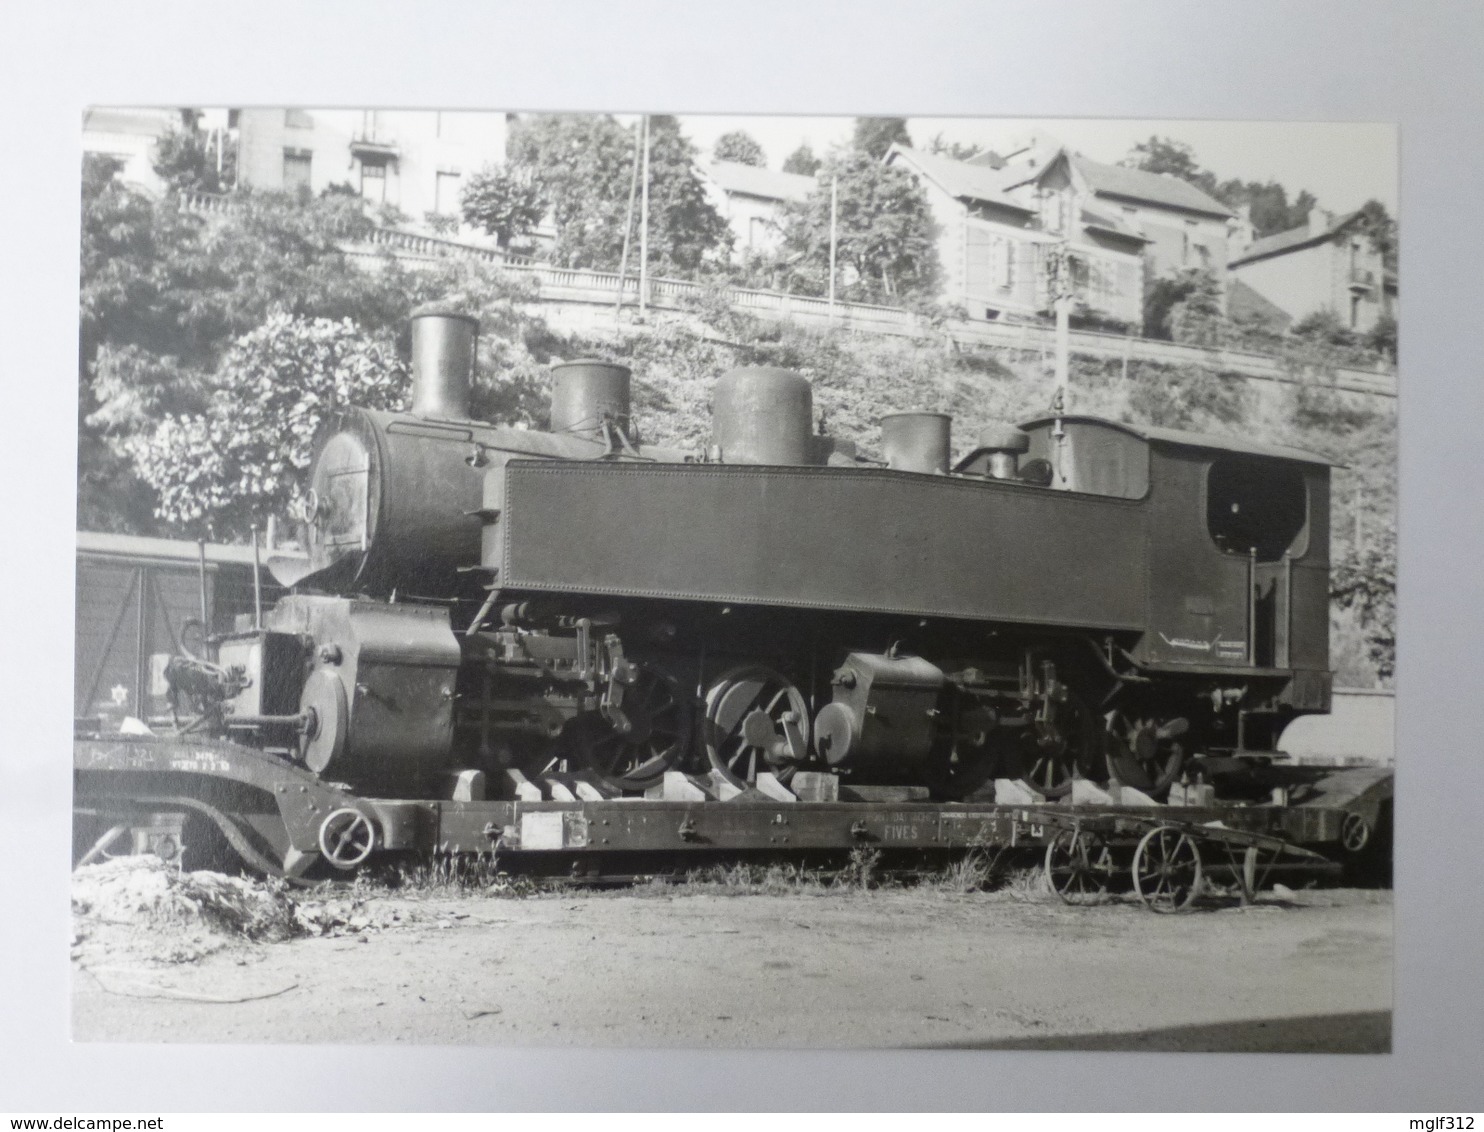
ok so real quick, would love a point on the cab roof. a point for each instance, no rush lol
(1180, 438)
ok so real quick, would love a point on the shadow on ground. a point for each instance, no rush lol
(1364, 1032)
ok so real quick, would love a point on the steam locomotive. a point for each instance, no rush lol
(476, 608)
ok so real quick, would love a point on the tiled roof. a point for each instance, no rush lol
(1244, 302)
(961, 179)
(1137, 184)
(1293, 238)
(749, 180)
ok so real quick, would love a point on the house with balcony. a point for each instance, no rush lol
(1329, 263)
(752, 201)
(1180, 226)
(990, 248)
(993, 243)
(414, 160)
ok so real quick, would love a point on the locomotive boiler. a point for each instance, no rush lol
(478, 609)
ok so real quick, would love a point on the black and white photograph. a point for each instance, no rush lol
(669, 580)
(774, 557)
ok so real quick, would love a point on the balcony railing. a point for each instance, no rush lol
(1362, 279)
(365, 146)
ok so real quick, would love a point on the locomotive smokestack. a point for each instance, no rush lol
(442, 362)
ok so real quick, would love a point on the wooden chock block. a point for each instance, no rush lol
(1016, 792)
(469, 786)
(768, 785)
(721, 788)
(1128, 796)
(1085, 792)
(816, 786)
(559, 790)
(523, 789)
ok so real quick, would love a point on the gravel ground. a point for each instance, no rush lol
(698, 966)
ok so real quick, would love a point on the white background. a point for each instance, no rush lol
(1416, 64)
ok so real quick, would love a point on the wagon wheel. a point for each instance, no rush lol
(1079, 866)
(1167, 869)
(1057, 750)
(1146, 754)
(1355, 832)
(756, 721)
(657, 738)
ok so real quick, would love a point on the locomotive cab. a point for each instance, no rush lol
(1238, 566)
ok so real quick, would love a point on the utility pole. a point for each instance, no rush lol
(834, 222)
(644, 228)
(1064, 322)
(628, 224)
(1061, 296)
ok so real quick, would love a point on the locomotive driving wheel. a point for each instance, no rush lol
(654, 737)
(1059, 748)
(1146, 754)
(1167, 869)
(756, 721)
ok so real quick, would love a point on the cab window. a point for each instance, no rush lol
(1256, 507)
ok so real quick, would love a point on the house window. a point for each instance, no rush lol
(296, 167)
(373, 182)
(757, 231)
(1354, 312)
(446, 194)
(1007, 264)
(297, 120)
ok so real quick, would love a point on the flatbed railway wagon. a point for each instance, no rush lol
(570, 645)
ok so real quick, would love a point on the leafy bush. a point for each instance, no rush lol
(222, 470)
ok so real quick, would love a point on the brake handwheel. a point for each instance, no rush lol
(346, 838)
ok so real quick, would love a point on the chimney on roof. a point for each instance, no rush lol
(1320, 220)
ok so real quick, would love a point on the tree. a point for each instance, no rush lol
(1199, 317)
(685, 230)
(583, 164)
(1365, 580)
(959, 151)
(504, 201)
(802, 161)
(241, 459)
(1162, 293)
(163, 292)
(190, 160)
(875, 136)
(1166, 155)
(886, 245)
(1382, 337)
(741, 147)
(1324, 328)
(1382, 231)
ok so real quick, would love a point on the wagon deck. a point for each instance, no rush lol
(284, 820)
